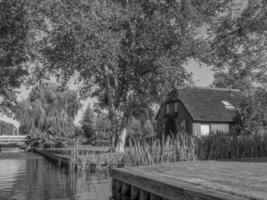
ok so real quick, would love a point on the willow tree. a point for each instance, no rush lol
(48, 113)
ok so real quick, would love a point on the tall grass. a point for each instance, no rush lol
(226, 146)
(154, 151)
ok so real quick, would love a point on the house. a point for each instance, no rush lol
(198, 111)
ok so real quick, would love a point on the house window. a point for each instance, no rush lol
(228, 105)
(204, 129)
(175, 107)
(169, 108)
(183, 125)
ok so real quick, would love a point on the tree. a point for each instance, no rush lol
(88, 124)
(48, 114)
(128, 57)
(129, 54)
(13, 50)
(103, 125)
(239, 54)
(239, 51)
(6, 128)
(252, 113)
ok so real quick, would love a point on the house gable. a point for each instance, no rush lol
(208, 104)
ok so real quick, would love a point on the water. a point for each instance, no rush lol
(28, 176)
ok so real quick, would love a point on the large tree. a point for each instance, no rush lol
(239, 54)
(239, 50)
(127, 56)
(13, 50)
(48, 114)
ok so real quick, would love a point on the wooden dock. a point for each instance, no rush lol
(58, 159)
(201, 180)
(82, 150)
(62, 156)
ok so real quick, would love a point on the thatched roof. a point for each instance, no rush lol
(208, 104)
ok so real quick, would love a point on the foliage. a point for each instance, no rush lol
(252, 114)
(87, 124)
(239, 43)
(140, 128)
(6, 128)
(181, 148)
(226, 146)
(129, 54)
(239, 51)
(143, 152)
(126, 56)
(48, 114)
(103, 125)
(13, 50)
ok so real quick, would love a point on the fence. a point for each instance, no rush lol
(7, 139)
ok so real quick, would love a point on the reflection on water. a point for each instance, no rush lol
(27, 176)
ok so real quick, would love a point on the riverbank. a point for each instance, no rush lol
(155, 151)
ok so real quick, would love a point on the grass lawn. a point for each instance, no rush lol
(245, 179)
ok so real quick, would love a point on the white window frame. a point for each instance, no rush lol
(204, 129)
(227, 105)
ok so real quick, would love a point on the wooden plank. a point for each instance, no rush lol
(118, 189)
(144, 195)
(61, 160)
(154, 197)
(169, 188)
(134, 193)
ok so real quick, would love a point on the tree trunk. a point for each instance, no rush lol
(121, 140)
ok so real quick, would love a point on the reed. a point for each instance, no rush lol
(227, 146)
(183, 147)
(152, 151)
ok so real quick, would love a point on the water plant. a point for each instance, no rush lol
(182, 147)
(151, 151)
(227, 146)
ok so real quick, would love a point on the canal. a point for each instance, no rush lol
(28, 176)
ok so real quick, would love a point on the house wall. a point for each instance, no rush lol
(221, 127)
(184, 122)
(214, 127)
(182, 119)
(196, 128)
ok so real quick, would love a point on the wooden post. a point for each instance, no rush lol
(125, 191)
(144, 195)
(113, 188)
(154, 197)
(134, 193)
(118, 189)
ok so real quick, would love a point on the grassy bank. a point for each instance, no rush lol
(151, 151)
(154, 151)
